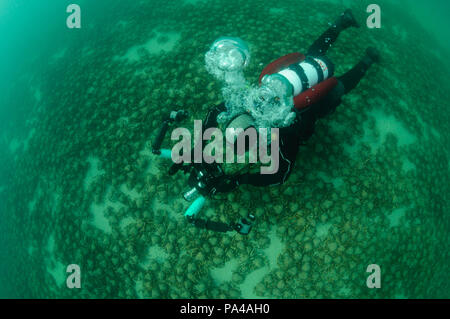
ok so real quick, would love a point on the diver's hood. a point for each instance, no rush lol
(237, 126)
(226, 60)
(270, 105)
(232, 53)
(241, 121)
(233, 130)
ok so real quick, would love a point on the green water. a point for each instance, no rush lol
(79, 185)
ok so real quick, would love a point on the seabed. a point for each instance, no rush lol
(371, 186)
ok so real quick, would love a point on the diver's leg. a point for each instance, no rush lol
(351, 79)
(346, 83)
(328, 103)
(306, 124)
(323, 43)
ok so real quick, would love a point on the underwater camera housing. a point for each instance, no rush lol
(202, 180)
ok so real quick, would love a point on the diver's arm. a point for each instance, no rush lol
(289, 144)
(229, 183)
(257, 179)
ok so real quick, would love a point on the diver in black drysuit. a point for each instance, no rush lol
(300, 131)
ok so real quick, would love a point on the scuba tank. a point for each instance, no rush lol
(310, 78)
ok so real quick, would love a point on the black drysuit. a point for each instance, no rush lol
(303, 127)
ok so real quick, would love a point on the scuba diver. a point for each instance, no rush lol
(298, 89)
(321, 100)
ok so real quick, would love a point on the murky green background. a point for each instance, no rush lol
(79, 185)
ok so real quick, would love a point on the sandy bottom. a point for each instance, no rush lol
(388, 124)
(322, 229)
(100, 220)
(152, 167)
(59, 54)
(21, 144)
(140, 292)
(429, 130)
(54, 267)
(38, 193)
(37, 94)
(395, 217)
(87, 51)
(132, 193)
(14, 145)
(224, 274)
(193, 2)
(163, 42)
(337, 181)
(98, 211)
(125, 222)
(345, 291)
(93, 173)
(407, 165)
(155, 254)
(375, 138)
(252, 279)
(384, 125)
(272, 252)
(278, 11)
(26, 142)
(55, 201)
(30, 250)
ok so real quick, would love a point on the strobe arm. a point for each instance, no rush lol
(243, 227)
(209, 225)
(156, 147)
(174, 116)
